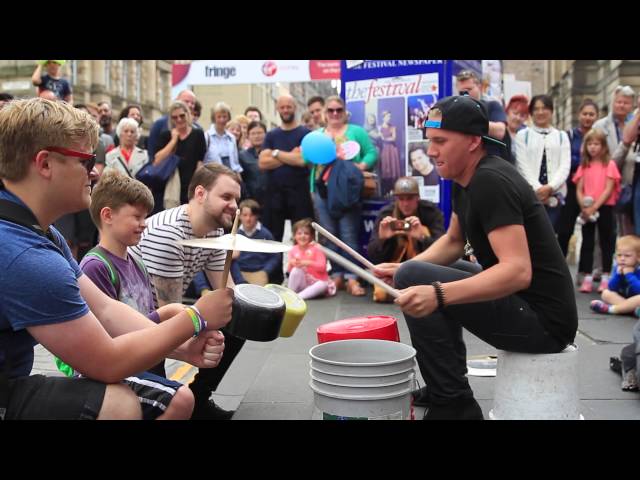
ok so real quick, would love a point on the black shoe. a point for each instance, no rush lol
(208, 410)
(615, 364)
(421, 397)
(462, 409)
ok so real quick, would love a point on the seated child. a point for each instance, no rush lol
(253, 267)
(307, 265)
(623, 293)
(119, 206)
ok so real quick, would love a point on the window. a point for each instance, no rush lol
(125, 79)
(138, 82)
(73, 67)
(107, 75)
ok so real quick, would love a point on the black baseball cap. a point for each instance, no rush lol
(461, 113)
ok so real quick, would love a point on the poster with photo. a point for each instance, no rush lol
(382, 107)
(423, 167)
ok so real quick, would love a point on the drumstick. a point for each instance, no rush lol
(353, 268)
(343, 245)
(227, 262)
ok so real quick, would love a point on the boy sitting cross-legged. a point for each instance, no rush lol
(623, 293)
(119, 206)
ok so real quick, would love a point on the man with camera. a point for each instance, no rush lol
(404, 228)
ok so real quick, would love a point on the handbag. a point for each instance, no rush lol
(371, 185)
(156, 176)
(625, 200)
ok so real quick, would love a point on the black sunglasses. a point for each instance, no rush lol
(88, 160)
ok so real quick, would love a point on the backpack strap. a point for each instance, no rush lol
(99, 253)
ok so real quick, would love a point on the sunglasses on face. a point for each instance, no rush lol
(88, 159)
(335, 110)
(180, 116)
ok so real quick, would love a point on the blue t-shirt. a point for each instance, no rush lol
(38, 286)
(59, 86)
(286, 140)
(576, 143)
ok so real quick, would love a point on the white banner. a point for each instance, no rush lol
(229, 72)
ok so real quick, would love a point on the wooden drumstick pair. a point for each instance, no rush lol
(353, 268)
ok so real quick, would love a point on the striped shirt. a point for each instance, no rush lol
(163, 257)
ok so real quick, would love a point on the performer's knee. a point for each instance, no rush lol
(409, 274)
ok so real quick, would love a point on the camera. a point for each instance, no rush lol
(400, 225)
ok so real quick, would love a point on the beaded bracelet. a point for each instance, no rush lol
(199, 323)
(439, 294)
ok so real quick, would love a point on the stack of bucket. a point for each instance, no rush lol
(363, 379)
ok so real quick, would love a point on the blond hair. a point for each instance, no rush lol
(629, 241)
(28, 126)
(115, 190)
(595, 135)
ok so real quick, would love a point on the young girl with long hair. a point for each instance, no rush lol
(307, 265)
(598, 188)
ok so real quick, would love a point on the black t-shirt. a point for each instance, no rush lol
(191, 150)
(498, 196)
(286, 140)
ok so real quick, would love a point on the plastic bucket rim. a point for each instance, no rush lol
(363, 364)
(413, 365)
(411, 378)
(319, 391)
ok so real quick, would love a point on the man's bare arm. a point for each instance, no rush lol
(168, 290)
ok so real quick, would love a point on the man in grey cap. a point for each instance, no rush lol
(403, 228)
(522, 301)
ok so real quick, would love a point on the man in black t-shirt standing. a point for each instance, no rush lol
(522, 301)
(287, 193)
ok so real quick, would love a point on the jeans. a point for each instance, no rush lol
(346, 228)
(507, 323)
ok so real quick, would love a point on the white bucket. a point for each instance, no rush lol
(537, 386)
(363, 379)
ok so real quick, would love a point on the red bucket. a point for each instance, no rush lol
(380, 327)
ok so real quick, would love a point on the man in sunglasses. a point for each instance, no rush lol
(522, 301)
(52, 80)
(46, 167)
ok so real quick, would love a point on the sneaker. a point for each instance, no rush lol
(421, 397)
(208, 410)
(587, 284)
(580, 278)
(604, 283)
(615, 364)
(599, 306)
(630, 381)
(460, 409)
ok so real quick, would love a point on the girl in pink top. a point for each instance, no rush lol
(307, 265)
(598, 188)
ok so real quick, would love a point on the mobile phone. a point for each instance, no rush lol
(400, 225)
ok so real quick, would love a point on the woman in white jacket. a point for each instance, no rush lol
(543, 157)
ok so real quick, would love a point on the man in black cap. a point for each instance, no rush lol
(522, 301)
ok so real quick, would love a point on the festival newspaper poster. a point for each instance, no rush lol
(393, 110)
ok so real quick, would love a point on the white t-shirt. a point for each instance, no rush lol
(163, 257)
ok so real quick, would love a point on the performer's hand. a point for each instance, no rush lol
(216, 307)
(386, 271)
(418, 301)
(384, 228)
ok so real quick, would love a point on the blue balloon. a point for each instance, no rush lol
(318, 148)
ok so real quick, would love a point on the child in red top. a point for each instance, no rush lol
(307, 264)
(598, 188)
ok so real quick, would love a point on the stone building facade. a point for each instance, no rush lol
(571, 81)
(120, 82)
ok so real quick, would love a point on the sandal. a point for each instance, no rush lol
(355, 289)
